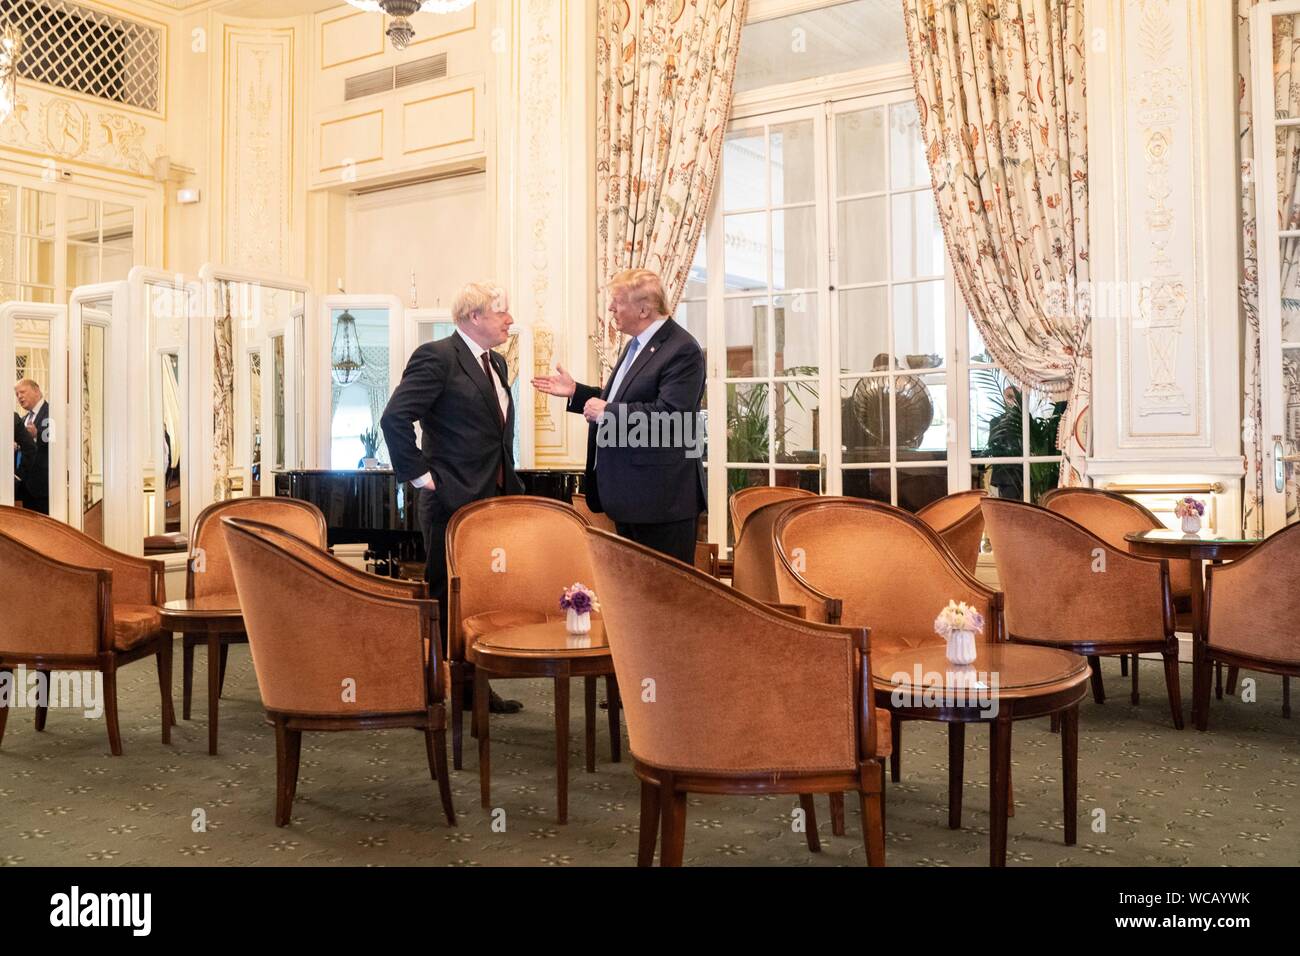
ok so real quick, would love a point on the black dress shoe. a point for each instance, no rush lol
(496, 704)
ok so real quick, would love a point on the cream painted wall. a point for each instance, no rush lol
(439, 230)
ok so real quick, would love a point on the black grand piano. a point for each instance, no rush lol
(375, 509)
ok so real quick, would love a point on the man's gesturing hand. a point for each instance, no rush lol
(561, 383)
(594, 408)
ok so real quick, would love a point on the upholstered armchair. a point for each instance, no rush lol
(1067, 587)
(867, 564)
(733, 697)
(70, 603)
(1251, 608)
(508, 561)
(209, 573)
(754, 560)
(596, 520)
(335, 650)
(1111, 516)
(958, 520)
(746, 501)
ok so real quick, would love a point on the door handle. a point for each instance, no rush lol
(1279, 465)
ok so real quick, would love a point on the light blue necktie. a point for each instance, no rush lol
(623, 369)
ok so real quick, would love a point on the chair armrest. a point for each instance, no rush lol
(794, 610)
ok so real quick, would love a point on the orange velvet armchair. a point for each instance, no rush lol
(958, 520)
(336, 650)
(745, 501)
(70, 603)
(733, 697)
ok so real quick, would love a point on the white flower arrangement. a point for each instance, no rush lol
(958, 617)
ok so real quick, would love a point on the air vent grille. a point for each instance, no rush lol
(393, 77)
(367, 84)
(88, 51)
(417, 71)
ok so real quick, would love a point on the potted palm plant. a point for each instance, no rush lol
(370, 442)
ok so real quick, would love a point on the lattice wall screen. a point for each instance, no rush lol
(88, 51)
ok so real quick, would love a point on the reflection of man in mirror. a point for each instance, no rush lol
(34, 470)
(24, 447)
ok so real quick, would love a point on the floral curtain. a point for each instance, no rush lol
(1001, 98)
(223, 398)
(664, 75)
(1285, 68)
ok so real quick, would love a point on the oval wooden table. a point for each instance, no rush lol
(1195, 549)
(546, 650)
(1006, 682)
(216, 616)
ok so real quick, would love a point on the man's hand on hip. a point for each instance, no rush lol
(424, 481)
(561, 383)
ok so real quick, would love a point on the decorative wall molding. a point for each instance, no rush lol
(64, 129)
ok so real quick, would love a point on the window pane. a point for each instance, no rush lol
(995, 415)
(83, 219)
(118, 257)
(38, 261)
(921, 416)
(917, 236)
(8, 263)
(37, 293)
(797, 421)
(864, 419)
(919, 340)
(1000, 481)
(697, 280)
(862, 240)
(864, 329)
(917, 487)
(693, 317)
(979, 352)
(907, 162)
(744, 179)
(860, 152)
(745, 249)
(797, 324)
(8, 208)
(747, 423)
(794, 173)
(83, 264)
(38, 213)
(870, 483)
(746, 337)
(794, 248)
(1044, 418)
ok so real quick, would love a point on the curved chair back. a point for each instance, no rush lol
(877, 566)
(512, 557)
(1111, 516)
(1249, 612)
(1066, 585)
(71, 617)
(736, 687)
(959, 521)
(746, 501)
(209, 569)
(601, 520)
(310, 633)
(754, 557)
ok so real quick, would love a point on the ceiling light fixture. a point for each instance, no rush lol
(400, 31)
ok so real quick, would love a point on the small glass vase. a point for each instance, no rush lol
(961, 648)
(577, 623)
(1191, 524)
(370, 464)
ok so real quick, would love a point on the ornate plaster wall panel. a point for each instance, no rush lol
(258, 139)
(67, 129)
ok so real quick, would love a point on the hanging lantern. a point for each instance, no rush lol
(345, 353)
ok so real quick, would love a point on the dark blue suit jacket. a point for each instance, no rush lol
(630, 481)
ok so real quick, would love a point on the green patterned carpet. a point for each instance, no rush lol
(1227, 797)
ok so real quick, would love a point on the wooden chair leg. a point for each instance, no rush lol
(1175, 687)
(1123, 665)
(810, 822)
(8, 677)
(1056, 723)
(484, 738)
(1070, 771)
(435, 745)
(896, 750)
(1286, 696)
(873, 827)
(956, 771)
(884, 823)
(43, 709)
(1218, 680)
(221, 675)
(672, 810)
(562, 749)
(1134, 698)
(457, 714)
(110, 711)
(1201, 672)
(649, 834)
(187, 676)
(615, 729)
(1098, 688)
(294, 759)
(283, 799)
(589, 703)
(164, 664)
(837, 814)
(999, 786)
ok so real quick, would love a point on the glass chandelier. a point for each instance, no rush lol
(11, 49)
(400, 31)
(346, 361)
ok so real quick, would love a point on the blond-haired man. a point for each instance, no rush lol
(644, 443)
(456, 389)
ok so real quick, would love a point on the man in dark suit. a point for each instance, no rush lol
(644, 443)
(456, 389)
(35, 465)
(23, 447)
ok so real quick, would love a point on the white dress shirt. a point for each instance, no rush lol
(426, 480)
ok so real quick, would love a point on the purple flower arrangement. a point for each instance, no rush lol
(580, 599)
(1189, 507)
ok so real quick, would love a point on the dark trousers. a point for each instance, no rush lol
(433, 523)
(673, 538)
